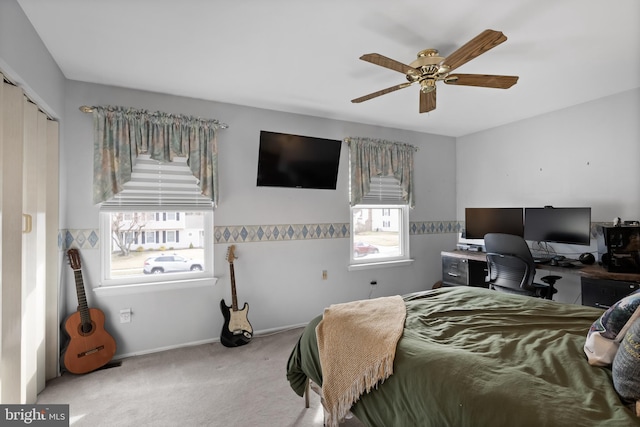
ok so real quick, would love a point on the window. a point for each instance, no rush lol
(380, 196)
(170, 190)
(143, 247)
(159, 228)
(380, 225)
(379, 234)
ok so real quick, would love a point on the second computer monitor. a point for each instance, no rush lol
(560, 225)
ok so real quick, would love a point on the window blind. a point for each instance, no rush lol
(169, 186)
(384, 190)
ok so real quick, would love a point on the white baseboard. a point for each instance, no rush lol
(256, 334)
(169, 347)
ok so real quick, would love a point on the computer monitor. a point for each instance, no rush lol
(559, 225)
(480, 221)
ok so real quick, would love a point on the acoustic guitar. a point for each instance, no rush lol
(236, 330)
(90, 347)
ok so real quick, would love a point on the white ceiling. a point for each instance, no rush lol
(301, 56)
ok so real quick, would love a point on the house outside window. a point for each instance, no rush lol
(379, 234)
(136, 242)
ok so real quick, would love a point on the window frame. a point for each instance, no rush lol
(403, 234)
(207, 274)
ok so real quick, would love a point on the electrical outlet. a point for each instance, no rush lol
(125, 315)
(324, 274)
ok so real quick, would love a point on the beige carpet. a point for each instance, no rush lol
(206, 385)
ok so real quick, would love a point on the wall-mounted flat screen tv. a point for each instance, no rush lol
(480, 221)
(560, 225)
(297, 161)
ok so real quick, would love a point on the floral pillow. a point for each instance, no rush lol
(606, 333)
(626, 365)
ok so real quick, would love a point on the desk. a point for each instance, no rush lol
(600, 288)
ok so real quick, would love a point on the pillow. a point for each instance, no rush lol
(606, 333)
(626, 365)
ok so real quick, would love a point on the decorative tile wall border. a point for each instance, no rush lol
(77, 238)
(270, 233)
(90, 238)
(435, 227)
(280, 232)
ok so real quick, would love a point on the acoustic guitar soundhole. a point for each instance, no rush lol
(85, 328)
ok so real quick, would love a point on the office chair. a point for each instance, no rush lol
(512, 269)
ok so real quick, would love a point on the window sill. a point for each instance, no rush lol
(380, 264)
(137, 288)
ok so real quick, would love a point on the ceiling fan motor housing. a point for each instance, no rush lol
(428, 62)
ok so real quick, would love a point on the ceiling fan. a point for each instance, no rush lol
(430, 68)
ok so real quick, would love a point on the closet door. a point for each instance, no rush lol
(29, 255)
(11, 226)
(35, 192)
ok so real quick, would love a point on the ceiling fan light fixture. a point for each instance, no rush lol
(427, 85)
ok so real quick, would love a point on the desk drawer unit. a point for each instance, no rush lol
(603, 293)
(455, 271)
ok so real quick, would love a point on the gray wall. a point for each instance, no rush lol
(281, 280)
(586, 155)
(26, 60)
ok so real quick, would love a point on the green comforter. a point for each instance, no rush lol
(474, 357)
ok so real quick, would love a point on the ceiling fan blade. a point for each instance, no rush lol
(381, 92)
(427, 101)
(481, 80)
(481, 43)
(389, 63)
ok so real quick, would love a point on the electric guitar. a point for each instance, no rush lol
(90, 347)
(236, 330)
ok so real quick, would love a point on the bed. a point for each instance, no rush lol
(474, 357)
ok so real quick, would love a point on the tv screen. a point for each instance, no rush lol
(559, 225)
(297, 161)
(480, 221)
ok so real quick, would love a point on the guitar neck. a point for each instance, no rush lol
(82, 299)
(234, 298)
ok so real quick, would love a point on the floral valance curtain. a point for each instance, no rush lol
(121, 134)
(370, 158)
